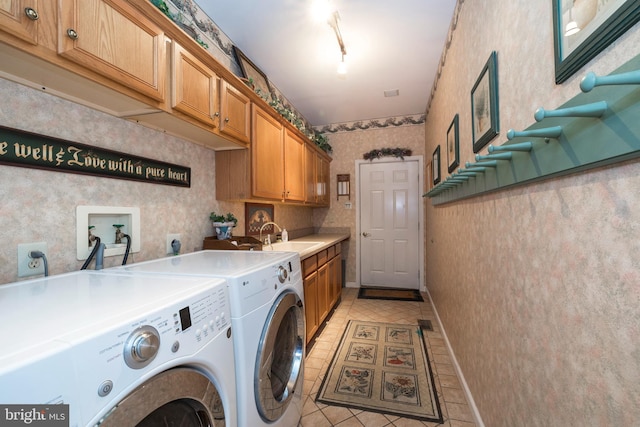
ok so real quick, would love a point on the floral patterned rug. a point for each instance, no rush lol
(382, 367)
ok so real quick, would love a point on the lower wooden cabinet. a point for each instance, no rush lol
(335, 280)
(322, 286)
(323, 291)
(311, 306)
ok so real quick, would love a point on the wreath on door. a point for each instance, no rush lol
(395, 152)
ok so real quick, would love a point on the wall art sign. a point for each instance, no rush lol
(584, 28)
(26, 149)
(255, 216)
(485, 114)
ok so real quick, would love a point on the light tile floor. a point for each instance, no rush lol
(455, 410)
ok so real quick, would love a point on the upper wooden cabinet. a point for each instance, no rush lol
(194, 88)
(278, 160)
(116, 40)
(294, 174)
(267, 160)
(235, 113)
(20, 18)
(322, 181)
(200, 93)
(316, 177)
(233, 175)
(310, 176)
(127, 59)
(281, 165)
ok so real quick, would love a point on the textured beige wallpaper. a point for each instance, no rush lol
(40, 206)
(538, 287)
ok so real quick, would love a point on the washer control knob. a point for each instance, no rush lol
(282, 274)
(141, 347)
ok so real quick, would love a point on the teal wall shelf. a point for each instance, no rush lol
(600, 126)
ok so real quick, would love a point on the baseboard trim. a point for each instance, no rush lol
(472, 404)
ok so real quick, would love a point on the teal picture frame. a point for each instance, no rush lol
(598, 29)
(485, 110)
(453, 145)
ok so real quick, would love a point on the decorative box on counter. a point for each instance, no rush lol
(242, 243)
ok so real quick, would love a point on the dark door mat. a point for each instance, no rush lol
(390, 294)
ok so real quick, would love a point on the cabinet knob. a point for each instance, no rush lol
(226, 120)
(31, 13)
(216, 114)
(365, 234)
(72, 34)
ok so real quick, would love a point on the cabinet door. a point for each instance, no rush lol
(194, 86)
(322, 181)
(267, 162)
(20, 18)
(294, 176)
(323, 292)
(232, 175)
(335, 279)
(326, 182)
(310, 284)
(235, 113)
(309, 174)
(115, 40)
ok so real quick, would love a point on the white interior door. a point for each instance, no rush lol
(389, 224)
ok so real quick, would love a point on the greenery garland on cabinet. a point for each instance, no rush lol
(285, 111)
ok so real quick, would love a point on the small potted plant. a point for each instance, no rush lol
(223, 224)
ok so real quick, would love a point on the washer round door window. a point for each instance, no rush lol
(280, 356)
(179, 396)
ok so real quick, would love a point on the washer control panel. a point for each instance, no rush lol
(257, 287)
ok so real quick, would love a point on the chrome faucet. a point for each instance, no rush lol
(263, 226)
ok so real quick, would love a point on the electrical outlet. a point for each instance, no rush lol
(28, 266)
(170, 238)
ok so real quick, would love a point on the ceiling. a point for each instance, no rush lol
(388, 47)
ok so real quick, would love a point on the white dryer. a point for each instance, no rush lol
(119, 350)
(267, 319)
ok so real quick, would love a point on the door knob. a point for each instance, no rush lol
(365, 234)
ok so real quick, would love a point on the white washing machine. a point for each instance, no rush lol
(119, 350)
(267, 318)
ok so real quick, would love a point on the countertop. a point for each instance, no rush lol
(328, 239)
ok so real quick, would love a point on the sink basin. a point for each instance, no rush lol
(292, 246)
